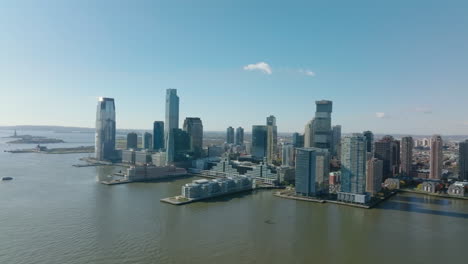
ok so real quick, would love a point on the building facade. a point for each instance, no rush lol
(147, 141)
(336, 141)
(171, 123)
(436, 158)
(230, 135)
(374, 176)
(158, 135)
(287, 155)
(239, 140)
(132, 140)
(353, 164)
(272, 139)
(298, 140)
(259, 141)
(312, 171)
(194, 127)
(369, 137)
(407, 145)
(105, 129)
(463, 161)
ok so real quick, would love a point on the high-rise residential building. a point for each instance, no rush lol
(272, 139)
(298, 140)
(369, 141)
(312, 171)
(158, 135)
(436, 159)
(132, 140)
(287, 155)
(147, 141)
(259, 141)
(105, 129)
(463, 161)
(239, 136)
(374, 176)
(171, 123)
(353, 164)
(336, 141)
(230, 135)
(407, 145)
(194, 127)
(318, 131)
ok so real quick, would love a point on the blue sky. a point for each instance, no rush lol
(388, 66)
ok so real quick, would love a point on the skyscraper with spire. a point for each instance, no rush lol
(105, 129)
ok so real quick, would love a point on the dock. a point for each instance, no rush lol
(373, 203)
(180, 200)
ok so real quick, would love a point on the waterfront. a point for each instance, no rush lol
(52, 212)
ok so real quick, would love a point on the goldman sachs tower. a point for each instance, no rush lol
(105, 129)
(172, 122)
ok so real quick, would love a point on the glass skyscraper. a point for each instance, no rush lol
(259, 141)
(105, 129)
(230, 135)
(132, 140)
(239, 136)
(272, 139)
(147, 141)
(172, 122)
(353, 164)
(463, 161)
(194, 127)
(312, 171)
(158, 135)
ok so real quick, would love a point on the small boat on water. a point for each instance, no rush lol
(7, 178)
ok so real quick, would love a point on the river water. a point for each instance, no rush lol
(52, 212)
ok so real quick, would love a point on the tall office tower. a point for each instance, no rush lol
(435, 162)
(312, 171)
(172, 122)
(369, 141)
(309, 134)
(353, 164)
(239, 140)
(287, 155)
(132, 140)
(271, 120)
(181, 143)
(259, 141)
(158, 135)
(272, 139)
(230, 135)
(407, 145)
(322, 124)
(336, 141)
(463, 161)
(105, 129)
(374, 176)
(147, 141)
(194, 127)
(298, 140)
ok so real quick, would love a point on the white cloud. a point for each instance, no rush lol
(380, 115)
(260, 66)
(307, 72)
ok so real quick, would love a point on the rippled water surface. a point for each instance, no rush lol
(52, 212)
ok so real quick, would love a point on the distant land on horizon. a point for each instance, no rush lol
(71, 129)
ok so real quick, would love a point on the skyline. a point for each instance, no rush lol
(387, 68)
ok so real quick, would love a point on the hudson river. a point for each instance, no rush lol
(52, 212)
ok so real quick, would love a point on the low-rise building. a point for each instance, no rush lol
(200, 189)
(352, 197)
